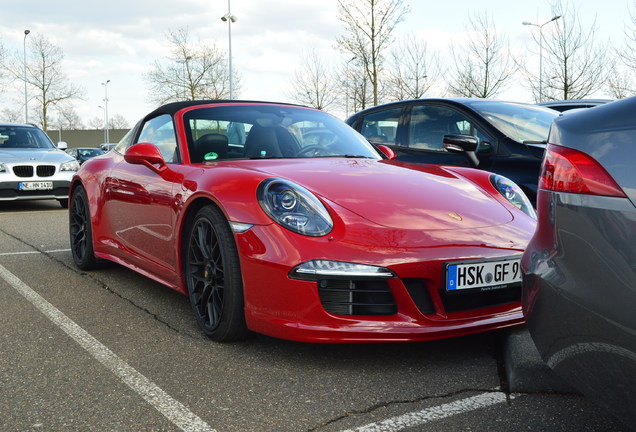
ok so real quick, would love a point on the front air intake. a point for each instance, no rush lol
(357, 297)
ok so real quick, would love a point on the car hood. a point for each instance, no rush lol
(394, 196)
(33, 156)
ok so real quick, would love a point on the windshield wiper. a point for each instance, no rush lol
(356, 156)
(535, 142)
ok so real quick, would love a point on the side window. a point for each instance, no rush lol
(160, 132)
(211, 139)
(429, 124)
(381, 127)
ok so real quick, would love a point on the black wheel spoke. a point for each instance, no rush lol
(204, 271)
(78, 224)
(80, 230)
(212, 276)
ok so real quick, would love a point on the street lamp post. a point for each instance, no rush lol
(26, 107)
(540, 26)
(105, 139)
(105, 84)
(230, 19)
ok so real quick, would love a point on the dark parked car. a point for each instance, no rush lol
(503, 137)
(84, 154)
(579, 289)
(566, 105)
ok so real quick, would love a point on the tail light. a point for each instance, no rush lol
(568, 170)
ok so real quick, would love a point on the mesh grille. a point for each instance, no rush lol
(23, 170)
(45, 170)
(357, 297)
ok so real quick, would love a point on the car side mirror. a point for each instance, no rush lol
(146, 154)
(387, 151)
(62, 145)
(466, 144)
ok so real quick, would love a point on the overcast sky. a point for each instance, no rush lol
(118, 40)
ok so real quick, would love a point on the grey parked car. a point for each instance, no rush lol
(579, 286)
(31, 167)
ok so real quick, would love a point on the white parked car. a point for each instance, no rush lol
(31, 166)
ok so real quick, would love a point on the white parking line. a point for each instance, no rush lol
(173, 410)
(33, 252)
(427, 415)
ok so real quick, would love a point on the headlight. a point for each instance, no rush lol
(2, 168)
(294, 207)
(70, 166)
(315, 269)
(513, 193)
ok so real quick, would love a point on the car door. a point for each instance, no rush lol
(426, 127)
(141, 203)
(415, 132)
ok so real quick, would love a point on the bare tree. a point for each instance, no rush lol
(413, 70)
(44, 75)
(353, 87)
(575, 60)
(313, 82)
(369, 25)
(620, 79)
(3, 67)
(191, 71)
(96, 122)
(12, 115)
(118, 121)
(483, 65)
(68, 119)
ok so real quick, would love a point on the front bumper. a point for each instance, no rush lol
(10, 189)
(412, 306)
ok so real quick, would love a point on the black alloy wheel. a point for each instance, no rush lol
(213, 276)
(81, 230)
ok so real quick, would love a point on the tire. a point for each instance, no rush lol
(212, 276)
(81, 231)
(63, 203)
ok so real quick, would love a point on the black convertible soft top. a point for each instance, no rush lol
(172, 107)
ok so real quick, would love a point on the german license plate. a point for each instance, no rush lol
(483, 275)
(29, 186)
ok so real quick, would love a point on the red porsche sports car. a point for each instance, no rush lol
(283, 220)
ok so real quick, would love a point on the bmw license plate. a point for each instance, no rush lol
(29, 186)
(483, 275)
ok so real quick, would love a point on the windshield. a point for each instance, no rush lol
(523, 123)
(89, 152)
(23, 137)
(269, 131)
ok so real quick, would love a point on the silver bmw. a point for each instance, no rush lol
(31, 167)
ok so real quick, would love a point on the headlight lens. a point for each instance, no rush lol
(315, 269)
(294, 207)
(70, 166)
(513, 193)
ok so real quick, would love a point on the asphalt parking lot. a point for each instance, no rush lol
(110, 350)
